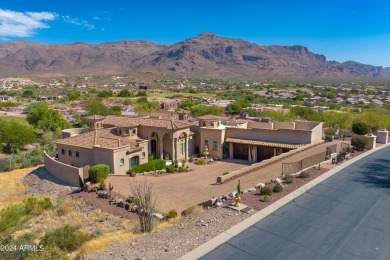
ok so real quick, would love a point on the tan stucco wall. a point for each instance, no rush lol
(282, 135)
(74, 131)
(63, 172)
(317, 133)
(119, 169)
(212, 135)
(284, 125)
(305, 125)
(260, 125)
(85, 155)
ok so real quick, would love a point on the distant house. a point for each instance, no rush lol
(5, 98)
(143, 87)
(51, 97)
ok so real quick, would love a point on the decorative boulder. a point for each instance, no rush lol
(260, 185)
(120, 203)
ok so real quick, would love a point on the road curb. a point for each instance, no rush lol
(235, 230)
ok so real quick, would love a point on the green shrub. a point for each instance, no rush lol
(201, 161)
(278, 188)
(182, 169)
(289, 178)
(11, 219)
(99, 172)
(265, 198)
(304, 174)
(102, 185)
(66, 238)
(266, 191)
(360, 142)
(24, 239)
(225, 173)
(359, 128)
(32, 205)
(172, 214)
(171, 169)
(153, 165)
(50, 252)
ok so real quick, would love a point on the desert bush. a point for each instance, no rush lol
(50, 252)
(32, 205)
(170, 169)
(153, 165)
(360, 142)
(102, 185)
(360, 128)
(201, 161)
(11, 219)
(304, 174)
(225, 173)
(99, 172)
(172, 214)
(24, 239)
(265, 198)
(192, 210)
(66, 238)
(266, 191)
(278, 188)
(289, 178)
(182, 169)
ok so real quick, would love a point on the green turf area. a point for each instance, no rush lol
(181, 94)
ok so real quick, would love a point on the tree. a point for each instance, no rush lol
(142, 94)
(202, 110)
(27, 93)
(360, 142)
(96, 107)
(360, 128)
(125, 93)
(234, 108)
(14, 135)
(42, 117)
(115, 110)
(104, 94)
(146, 201)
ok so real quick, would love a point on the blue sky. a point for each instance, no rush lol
(341, 30)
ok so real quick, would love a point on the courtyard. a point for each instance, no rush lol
(183, 190)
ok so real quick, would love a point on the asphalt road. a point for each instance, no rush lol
(345, 217)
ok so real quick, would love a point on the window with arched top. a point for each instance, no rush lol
(143, 154)
(70, 153)
(204, 123)
(215, 145)
(134, 131)
(206, 142)
(127, 132)
(77, 154)
(63, 151)
(122, 161)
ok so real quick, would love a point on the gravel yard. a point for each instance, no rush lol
(176, 241)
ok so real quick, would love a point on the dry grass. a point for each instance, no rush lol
(11, 186)
(102, 242)
(166, 224)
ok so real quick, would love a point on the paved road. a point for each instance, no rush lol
(345, 217)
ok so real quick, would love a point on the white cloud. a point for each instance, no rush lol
(23, 24)
(78, 22)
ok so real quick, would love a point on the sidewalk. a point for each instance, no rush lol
(180, 191)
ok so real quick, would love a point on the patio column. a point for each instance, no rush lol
(161, 147)
(186, 148)
(249, 152)
(174, 151)
(274, 151)
(231, 150)
(254, 153)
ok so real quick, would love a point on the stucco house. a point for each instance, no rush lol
(124, 142)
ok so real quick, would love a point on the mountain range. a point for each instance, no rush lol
(206, 56)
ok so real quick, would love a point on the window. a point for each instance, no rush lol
(204, 123)
(122, 161)
(181, 148)
(134, 131)
(77, 154)
(206, 143)
(127, 132)
(70, 153)
(143, 154)
(215, 145)
(120, 132)
(63, 151)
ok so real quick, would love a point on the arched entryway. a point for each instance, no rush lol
(154, 145)
(134, 161)
(167, 147)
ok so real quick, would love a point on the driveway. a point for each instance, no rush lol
(345, 217)
(180, 191)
